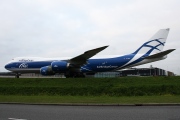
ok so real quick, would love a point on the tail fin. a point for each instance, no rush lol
(155, 44)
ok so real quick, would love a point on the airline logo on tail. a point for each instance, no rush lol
(154, 45)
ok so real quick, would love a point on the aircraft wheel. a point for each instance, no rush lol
(74, 75)
(17, 76)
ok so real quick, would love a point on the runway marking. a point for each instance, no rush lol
(16, 119)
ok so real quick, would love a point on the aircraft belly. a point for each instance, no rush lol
(28, 70)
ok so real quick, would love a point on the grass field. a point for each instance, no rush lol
(91, 90)
(90, 99)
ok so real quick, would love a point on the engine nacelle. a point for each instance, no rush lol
(59, 66)
(47, 70)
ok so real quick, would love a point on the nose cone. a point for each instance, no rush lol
(7, 66)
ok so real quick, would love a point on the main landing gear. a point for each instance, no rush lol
(74, 75)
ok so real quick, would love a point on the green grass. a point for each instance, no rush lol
(91, 90)
(126, 86)
(91, 99)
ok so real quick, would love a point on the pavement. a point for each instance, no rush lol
(95, 104)
(55, 112)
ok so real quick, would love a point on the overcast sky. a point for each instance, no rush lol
(62, 28)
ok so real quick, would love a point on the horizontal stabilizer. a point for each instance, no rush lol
(160, 54)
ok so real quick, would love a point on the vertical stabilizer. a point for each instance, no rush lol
(155, 44)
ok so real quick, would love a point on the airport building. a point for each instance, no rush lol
(136, 72)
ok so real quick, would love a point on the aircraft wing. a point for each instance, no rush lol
(160, 54)
(82, 59)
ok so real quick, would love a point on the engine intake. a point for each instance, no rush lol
(47, 70)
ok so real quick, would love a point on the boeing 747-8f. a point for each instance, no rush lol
(83, 64)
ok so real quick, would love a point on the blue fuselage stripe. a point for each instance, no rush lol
(93, 65)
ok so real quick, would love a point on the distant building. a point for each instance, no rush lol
(7, 74)
(106, 74)
(144, 72)
(136, 72)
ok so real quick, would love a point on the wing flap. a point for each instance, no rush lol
(160, 54)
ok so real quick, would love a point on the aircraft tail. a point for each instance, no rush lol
(155, 44)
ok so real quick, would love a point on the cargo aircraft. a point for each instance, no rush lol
(85, 63)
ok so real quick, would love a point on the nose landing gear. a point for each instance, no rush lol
(17, 75)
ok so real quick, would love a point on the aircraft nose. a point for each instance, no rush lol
(6, 66)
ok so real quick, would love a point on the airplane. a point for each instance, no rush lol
(85, 63)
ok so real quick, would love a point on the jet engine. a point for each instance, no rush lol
(60, 66)
(47, 70)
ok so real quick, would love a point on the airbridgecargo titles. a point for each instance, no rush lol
(85, 63)
(107, 66)
(25, 60)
